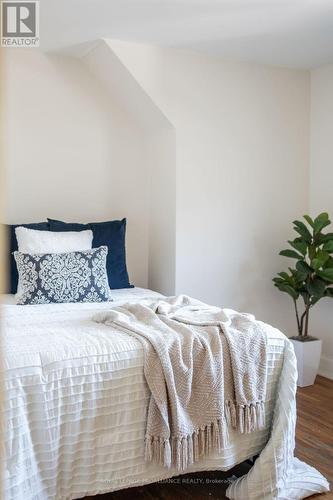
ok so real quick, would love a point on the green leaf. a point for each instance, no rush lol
(320, 222)
(303, 267)
(308, 220)
(299, 245)
(327, 237)
(285, 276)
(328, 246)
(329, 262)
(291, 254)
(301, 228)
(319, 239)
(320, 260)
(328, 265)
(314, 300)
(312, 249)
(317, 287)
(278, 279)
(300, 276)
(316, 264)
(326, 274)
(289, 290)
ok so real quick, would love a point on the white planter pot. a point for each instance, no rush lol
(308, 359)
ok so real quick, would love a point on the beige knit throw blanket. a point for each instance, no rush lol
(206, 370)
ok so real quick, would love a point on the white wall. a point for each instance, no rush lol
(321, 191)
(73, 152)
(162, 229)
(242, 152)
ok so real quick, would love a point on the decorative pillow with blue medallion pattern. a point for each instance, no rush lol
(63, 277)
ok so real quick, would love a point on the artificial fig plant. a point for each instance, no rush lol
(312, 277)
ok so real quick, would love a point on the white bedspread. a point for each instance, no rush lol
(77, 402)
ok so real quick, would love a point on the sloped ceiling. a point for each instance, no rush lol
(103, 62)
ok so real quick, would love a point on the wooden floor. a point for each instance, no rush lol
(314, 444)
(314, 431)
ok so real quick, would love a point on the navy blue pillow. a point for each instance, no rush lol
(12, 246)
(63, 277)
(110, 234)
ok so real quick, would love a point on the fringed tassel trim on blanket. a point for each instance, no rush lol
(184, 451)
(245, 418)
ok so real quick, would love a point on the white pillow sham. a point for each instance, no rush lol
(33, 241)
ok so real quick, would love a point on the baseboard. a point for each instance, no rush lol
(326, 367)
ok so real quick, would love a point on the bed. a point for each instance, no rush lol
(76, 405)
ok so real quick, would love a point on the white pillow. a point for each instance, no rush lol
(33, 241)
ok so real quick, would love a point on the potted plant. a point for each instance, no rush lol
(308, 282)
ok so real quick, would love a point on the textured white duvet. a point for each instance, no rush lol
(76, 411)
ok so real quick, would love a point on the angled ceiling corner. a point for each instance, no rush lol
(108, 67)
(140, 62)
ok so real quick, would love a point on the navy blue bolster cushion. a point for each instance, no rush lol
(12, 246)
(111, 234)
